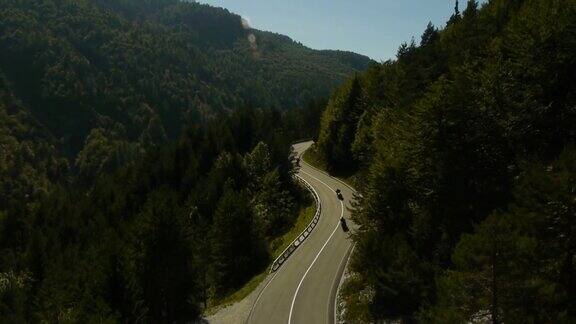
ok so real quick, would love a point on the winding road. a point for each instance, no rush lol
(303, 290)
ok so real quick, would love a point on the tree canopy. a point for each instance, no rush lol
(460, 148)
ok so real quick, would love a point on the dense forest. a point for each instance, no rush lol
(87, 85)
(160, 237)
(144, 69)
(464, 152)
(145, 161)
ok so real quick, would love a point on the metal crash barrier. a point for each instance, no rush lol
(304, 235)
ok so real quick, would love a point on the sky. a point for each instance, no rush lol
(375, 28)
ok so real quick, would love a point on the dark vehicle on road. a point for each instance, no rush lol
(339, 194)
(344, 225)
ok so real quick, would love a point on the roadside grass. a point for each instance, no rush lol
(311, 157)
(277, 246)
(349, 300)
(237, 295)
(304, 218)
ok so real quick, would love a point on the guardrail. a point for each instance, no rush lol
(302, 140)
(304, 235)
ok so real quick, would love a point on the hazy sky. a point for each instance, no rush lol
(375, 28)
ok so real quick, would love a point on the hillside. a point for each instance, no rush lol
(143, 69)
(145, 168)
(464, 151)
(86, 86)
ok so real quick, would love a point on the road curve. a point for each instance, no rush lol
(303, 290)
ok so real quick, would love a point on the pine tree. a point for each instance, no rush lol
(237, 249)
(429, 36)
(456, 15)
(163, 262)
(456, 9)
(339, 127)
(273, 206)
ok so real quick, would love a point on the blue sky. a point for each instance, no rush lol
(375, 28)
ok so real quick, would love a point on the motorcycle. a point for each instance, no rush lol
(343, 224)
(339, 194)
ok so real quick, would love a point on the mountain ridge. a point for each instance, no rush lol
(118, 62)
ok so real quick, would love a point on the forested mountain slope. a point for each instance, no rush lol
(161, 238)
(145, 167)
(464, 152)
(143, 69)
(140, 70)
(86, 86)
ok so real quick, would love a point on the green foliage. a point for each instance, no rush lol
(272, 204)
(519, 265)
(161, 253)
(235, 245)
(161, 237)
(337, 127)
(13, 290)
(128, 142)
(303, 122)
(103, 155)
(147, 69)
(29, 161)
(441, 138)
(87, 87)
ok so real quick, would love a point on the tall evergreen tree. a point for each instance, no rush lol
(237, 251)
(163, 263)
(447, 234)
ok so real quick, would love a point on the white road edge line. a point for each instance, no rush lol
(318, 207)
(346, 257)
(259, 296)
(326, 173)
(324, 183)
(352, 249)
(276, 273)
(313, 261)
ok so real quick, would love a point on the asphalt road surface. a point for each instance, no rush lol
(303, 290)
